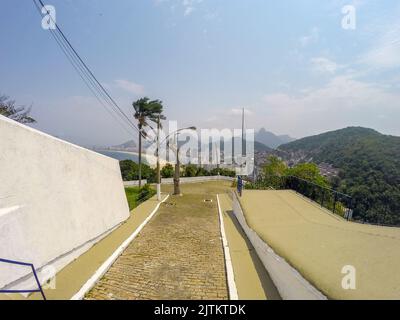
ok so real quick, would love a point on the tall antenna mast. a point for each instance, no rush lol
(243, 145)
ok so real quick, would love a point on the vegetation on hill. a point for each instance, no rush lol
(304, 178)
(275, 171)
(369, 164)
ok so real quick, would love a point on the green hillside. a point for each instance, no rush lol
(369, 164)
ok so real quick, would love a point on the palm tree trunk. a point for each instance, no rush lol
(140, 156)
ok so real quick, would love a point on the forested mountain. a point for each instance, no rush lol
(369, 164)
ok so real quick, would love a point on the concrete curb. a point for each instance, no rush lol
(233, 295)
(109, 262)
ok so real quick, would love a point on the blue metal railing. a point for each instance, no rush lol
(34, 273)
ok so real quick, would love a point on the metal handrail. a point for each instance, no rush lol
(336, 201)
(319, 186)
(34, 273)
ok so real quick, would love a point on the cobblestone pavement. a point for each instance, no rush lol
(178, 255)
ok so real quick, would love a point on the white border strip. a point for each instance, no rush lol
(233, 295)
(109, 262)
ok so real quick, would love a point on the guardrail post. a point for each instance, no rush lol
(334, 202)
(323, 198)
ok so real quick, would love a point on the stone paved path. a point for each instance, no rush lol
(178, 255)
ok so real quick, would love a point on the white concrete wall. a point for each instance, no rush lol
(289, 282)
(134, 183)
(197, 179)
(56, 199)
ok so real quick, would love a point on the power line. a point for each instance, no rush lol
(87, 82)
(67, 46)
(86, 74)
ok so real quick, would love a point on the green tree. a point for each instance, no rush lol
(273, 171)
(130, 171)
(274, 167)
(309, 172)
(167, 171)
(146, 111)
(10, 110)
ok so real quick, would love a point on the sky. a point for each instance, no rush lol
(289, 63)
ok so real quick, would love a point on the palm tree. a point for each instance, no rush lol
(146, 111)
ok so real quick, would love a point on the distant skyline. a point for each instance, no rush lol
(289, 63)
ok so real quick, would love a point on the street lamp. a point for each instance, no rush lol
(177, 165)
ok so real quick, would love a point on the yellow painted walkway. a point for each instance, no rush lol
(319, 245)
(252, 280)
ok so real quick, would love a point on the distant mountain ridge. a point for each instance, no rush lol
(263, 140)
(272, 140)
(127, 146)
(369, 164)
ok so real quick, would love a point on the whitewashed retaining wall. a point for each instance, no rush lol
(289, 282)
(197, 179)
(56, 199)
(134, 183)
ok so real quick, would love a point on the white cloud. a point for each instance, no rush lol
(130, 87)
(310, 38)
(343, 101)
(211, 15)
(342, 92)
(189, 6)
(385, 53)
(324, 65)
(188, 11)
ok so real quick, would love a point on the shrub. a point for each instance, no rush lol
(145, 193)
(167, 171)
(190, 170)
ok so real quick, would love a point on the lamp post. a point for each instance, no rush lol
(177, 190)
(158, 161)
